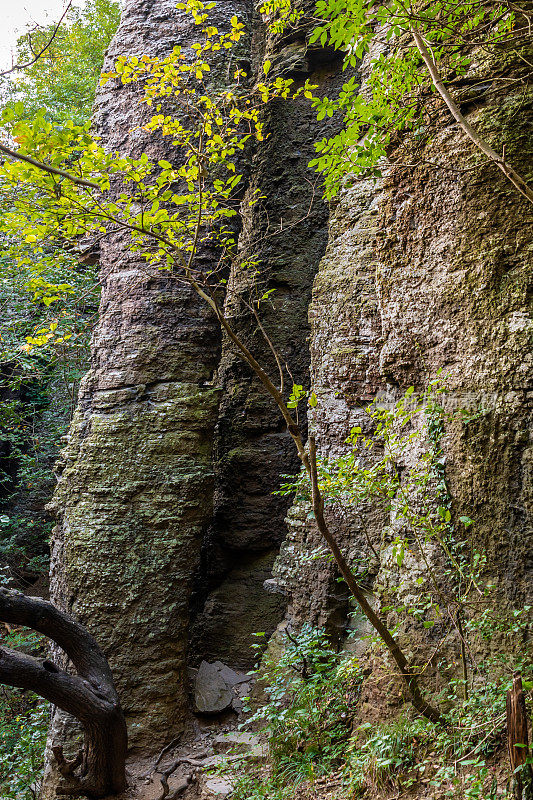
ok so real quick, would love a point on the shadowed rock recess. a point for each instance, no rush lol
(285, 234)
(167, 527)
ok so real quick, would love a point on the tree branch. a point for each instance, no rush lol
(68, 692)
(517, 181)
(410, 679)
(90, 696)
(41, 52)
(82, 648)
(46, 168)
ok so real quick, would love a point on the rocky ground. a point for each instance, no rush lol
(205, 761)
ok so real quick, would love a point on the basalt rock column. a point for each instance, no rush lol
(136, 484)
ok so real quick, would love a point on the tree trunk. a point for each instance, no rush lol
(517, 740)
(89, 695)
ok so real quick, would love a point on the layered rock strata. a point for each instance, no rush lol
(135, 494)
(284, 236)
(427, 270)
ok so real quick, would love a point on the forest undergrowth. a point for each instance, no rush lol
(311, 716)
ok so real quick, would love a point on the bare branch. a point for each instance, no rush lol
(73, 638)
(69, 692)
(410, 679)
(43, 50)
(517, 181)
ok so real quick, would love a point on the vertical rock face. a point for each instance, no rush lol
(423, 270)
(346, 340)
(135, 493)
(283, 238)
(427, 270)
(457, 253)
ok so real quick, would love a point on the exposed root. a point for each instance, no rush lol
(66, 768)
(166, 750)
(182, 786)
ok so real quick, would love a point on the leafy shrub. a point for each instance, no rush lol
(456, 760)
(312, 693)
(23, 725)
(388, 757)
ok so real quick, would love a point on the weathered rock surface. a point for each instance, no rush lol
(135, 494)
(285, 235)
(218, 787)
(236, 609)
(345, 346)
(427, 270)
(236, 741)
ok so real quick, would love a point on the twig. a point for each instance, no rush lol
(38, 55)
(164, 782)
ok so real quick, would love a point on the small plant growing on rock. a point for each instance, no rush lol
(311, 697)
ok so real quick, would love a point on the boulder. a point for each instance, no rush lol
(219, 787)
(212, 694)
(217, 687)
(231, 677)
(247, 744)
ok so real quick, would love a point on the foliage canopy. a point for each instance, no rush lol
(64, 78)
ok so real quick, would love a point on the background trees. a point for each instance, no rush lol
(48, 299)
(64, 77)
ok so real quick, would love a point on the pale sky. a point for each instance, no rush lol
(15, 15)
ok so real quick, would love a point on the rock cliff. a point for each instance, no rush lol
(285, 235)
(135, 495)
(426, 270)
(167, 525)
(159, 461)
